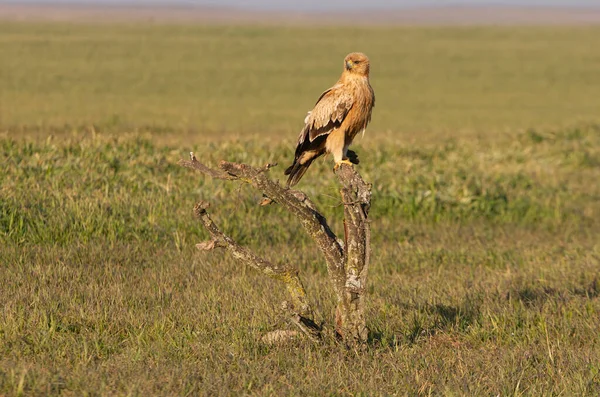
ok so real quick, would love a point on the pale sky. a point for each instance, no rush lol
(316, 5)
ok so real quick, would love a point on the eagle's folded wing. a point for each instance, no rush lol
(329, 112)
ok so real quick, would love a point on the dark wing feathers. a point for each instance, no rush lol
(329, 112)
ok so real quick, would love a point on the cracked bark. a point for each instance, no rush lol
(356, 197)
(347, 263)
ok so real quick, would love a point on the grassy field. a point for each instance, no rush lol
(484, 155)
(242, 80)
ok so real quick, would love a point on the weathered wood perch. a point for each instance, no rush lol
(347, 261)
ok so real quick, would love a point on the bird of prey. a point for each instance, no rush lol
(340, 113)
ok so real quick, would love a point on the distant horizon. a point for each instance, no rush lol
(316, 5)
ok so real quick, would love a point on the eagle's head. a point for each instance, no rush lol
(357, 62)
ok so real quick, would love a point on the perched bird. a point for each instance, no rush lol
(340, 113)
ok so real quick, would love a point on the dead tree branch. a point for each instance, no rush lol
(347, 263)
(294, 201)
(300, 311)
(356, 196)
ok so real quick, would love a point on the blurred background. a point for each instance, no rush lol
(246, 67)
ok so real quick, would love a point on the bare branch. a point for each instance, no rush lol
(194, 164)
(265, 201)
(302, 207)
(306, 325)
(293, 200)
(347, 262)
(209, 245)
(279, 336)
(288, 274)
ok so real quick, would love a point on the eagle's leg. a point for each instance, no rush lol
(341, 159)
(338, 147)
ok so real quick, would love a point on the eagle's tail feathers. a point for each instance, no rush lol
(296, 171)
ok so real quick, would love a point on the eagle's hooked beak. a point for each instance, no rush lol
(349, 64)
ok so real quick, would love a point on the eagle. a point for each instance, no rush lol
(339, 114)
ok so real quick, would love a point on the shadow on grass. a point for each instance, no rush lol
(430, 319)
(532, 295)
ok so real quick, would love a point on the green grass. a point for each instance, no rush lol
(486, 258)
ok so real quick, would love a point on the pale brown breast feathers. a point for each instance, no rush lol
(360, 115)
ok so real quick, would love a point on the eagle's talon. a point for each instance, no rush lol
(343, 161)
